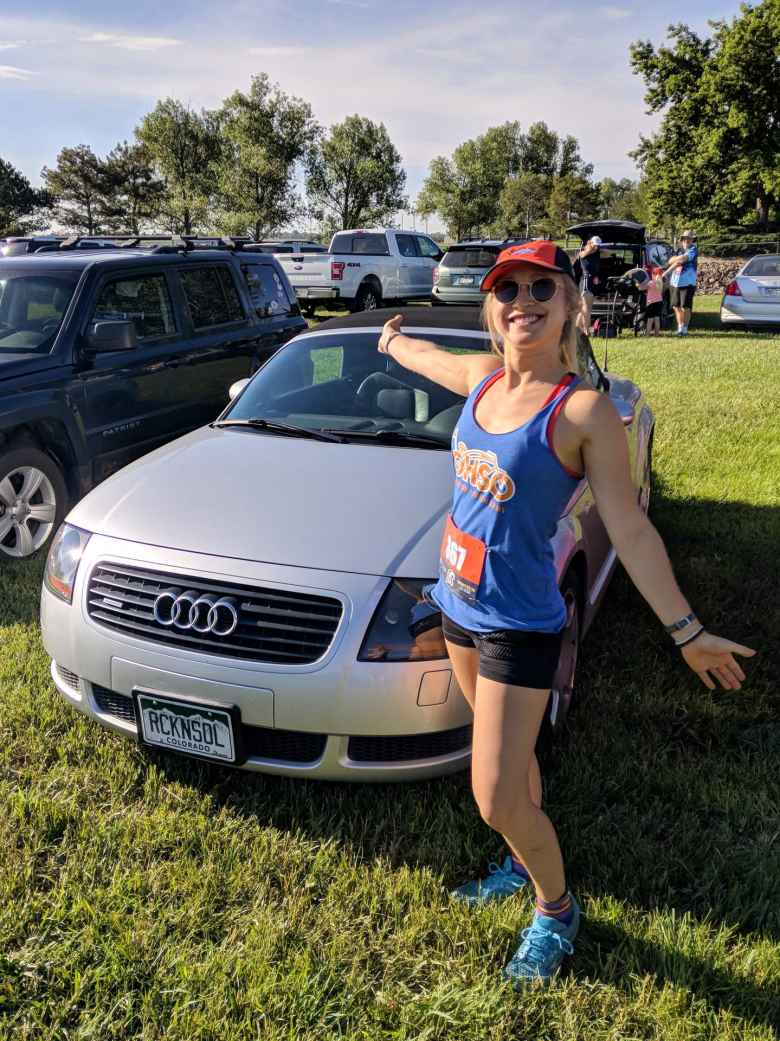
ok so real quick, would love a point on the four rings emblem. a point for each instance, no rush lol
(188, 609)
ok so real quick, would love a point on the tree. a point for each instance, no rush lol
(354, 176)
(572, 198)
(133, 194)
(465, 189)
(18, 201)
(78, 187)
(183, 146)
(263, 135)
(715, 155)
(523, 203)
(623, 200)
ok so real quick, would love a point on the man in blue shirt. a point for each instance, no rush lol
(683, 280)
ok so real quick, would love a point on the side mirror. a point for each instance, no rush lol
(112, 336)
(237, 387)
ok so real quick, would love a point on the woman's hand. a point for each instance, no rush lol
(712, 654)
(392, 326)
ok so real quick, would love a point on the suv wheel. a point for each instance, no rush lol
(368, 298)
(33, 499)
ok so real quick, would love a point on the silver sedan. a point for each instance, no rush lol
(254, 593)
(753, 296)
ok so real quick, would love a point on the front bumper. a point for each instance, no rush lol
(337, 719)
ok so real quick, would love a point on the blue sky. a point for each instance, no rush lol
(435, 73)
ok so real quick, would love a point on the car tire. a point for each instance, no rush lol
(368, 298)
(436, 302)
(30, 483)
(645, 490)
(562, 695)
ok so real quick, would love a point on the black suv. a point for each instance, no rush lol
(107, 354)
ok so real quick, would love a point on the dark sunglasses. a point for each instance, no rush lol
(541, 290)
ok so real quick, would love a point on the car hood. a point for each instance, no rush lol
(371, 509)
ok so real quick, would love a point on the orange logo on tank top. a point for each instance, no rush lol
(481, 470)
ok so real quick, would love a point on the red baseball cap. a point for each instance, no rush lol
(540, 253)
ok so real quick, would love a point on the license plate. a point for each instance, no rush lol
(770, 290)
(192, 727)
(463, 280)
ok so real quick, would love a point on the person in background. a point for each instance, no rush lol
(682, 269)
(589, 259)
(654, 301)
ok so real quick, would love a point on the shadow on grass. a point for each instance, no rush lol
(20, 590)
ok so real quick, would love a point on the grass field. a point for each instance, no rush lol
(144, 897)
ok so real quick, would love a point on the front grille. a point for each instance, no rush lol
(291, 746)
(113, 704)
(274, 626)
(393, 749)
(70, 679)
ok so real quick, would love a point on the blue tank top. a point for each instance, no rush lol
(510, 491)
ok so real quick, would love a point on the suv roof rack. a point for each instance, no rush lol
(163, 243)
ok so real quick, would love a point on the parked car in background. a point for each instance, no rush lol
(617, 303)
(107, 354)
(753, 296)
(457, 278)
(254, 593)
(364, 268)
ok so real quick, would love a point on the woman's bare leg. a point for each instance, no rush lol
(503, 770)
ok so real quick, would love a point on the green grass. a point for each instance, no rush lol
(145, 897)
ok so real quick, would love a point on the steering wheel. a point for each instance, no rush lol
(5, 325)
(377, 381)
(51, 325)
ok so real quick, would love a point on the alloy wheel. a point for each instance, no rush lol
(28, 508)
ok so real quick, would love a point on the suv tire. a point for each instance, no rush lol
(33, 501)
(562, 694)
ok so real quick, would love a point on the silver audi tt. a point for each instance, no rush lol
(254, 593)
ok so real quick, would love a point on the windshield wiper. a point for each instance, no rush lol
(403, 437)
(274, 426)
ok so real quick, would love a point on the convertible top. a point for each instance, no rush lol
(455, 318)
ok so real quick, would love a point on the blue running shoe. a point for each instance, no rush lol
(500, 883)
(545, 944)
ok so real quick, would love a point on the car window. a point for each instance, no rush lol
(478, 258)
(368, 242)
(265, 290)
(763, 266)
(274, 247)
(341, 382)
(406, 246)
(313, 249)
(31, 309)
(211, 296)
(143, 300)
(428, 247)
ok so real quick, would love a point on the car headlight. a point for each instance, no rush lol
(406, 625)
(63, 561)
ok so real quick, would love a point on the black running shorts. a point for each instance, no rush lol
(512, 656)
(682, 296)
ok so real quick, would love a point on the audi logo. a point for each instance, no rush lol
(199, 612)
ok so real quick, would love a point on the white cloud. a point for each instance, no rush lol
(128, 42)
(11, 72)
(276, 52)
(9, 45)
(614, 14)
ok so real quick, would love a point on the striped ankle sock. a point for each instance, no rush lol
(562, 909)
(519, 869)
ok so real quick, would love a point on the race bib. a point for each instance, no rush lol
(461, 560)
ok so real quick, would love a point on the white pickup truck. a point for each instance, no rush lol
(364, 269)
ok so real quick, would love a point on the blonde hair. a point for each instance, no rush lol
(567, 345)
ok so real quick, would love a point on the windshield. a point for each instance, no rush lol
(340, 382)
(31, 309)
(763, 266)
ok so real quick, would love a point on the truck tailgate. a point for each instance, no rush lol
(306, 269)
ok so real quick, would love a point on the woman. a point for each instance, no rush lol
(528, 431)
